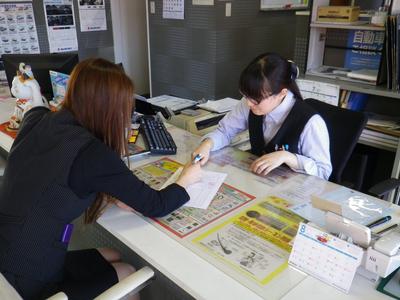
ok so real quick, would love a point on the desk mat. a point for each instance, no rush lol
(249, 240)
(186, 220)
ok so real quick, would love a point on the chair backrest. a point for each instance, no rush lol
(7, 291)
(345, 127)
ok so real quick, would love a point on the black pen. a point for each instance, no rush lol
(387, 228)
(379, 221)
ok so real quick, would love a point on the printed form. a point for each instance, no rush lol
(201, 193)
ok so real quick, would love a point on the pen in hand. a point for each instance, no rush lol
(196, 159)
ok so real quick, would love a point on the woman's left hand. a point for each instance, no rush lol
(266, 163)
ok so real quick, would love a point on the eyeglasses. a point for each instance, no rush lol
(254, 102)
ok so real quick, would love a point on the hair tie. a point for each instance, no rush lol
(294, 70)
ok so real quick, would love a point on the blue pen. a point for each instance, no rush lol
(282, 148)
(196, 159)
(379, 221)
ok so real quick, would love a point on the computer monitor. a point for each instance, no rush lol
(41, 65)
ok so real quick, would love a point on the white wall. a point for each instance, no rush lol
(130, 40)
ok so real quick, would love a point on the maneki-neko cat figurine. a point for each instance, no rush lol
(27, 91)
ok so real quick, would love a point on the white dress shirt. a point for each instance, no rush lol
(314, 157)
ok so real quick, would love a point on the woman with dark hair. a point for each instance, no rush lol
(65, 163)
(283, 129)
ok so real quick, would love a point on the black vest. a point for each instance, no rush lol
(35, 200)
(288, 134)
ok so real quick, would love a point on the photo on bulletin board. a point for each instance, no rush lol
(283, 4)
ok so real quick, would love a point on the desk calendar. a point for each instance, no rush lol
(325, 257)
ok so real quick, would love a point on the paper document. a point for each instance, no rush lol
(219, 106)
(201, 193)
(325, 92)
(173, 103)
(174, 9)
(364, 74)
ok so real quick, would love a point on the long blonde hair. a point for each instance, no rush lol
(100, 96)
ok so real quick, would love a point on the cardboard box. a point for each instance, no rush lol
(341, 14)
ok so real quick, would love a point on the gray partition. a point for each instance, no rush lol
(90, 44)
(202, 56)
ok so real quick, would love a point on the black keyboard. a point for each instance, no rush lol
(158, 139)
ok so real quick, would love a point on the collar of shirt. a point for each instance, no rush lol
(279, 114)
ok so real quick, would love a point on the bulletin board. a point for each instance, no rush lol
(90, 44)
(283, 4)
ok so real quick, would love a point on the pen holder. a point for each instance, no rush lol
(379, 18)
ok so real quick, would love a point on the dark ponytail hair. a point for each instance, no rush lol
(267, 75)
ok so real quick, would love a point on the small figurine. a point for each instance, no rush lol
(27, 91)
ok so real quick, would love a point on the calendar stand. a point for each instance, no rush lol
(325, 257)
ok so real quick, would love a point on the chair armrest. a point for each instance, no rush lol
(133, 283)
(58, 296)
(382, 188)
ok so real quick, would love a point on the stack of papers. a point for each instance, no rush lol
(364, 74)
(173, 103)
(219, 106)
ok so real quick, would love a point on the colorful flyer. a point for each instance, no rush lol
(60, 23)
(243, 161)
(186, 220)
(155, 174)
(256, 242)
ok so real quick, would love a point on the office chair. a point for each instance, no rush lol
(383, 188)
(344, 127)
(131, 284)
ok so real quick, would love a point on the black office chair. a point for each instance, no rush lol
(344, 127)
(382, 189)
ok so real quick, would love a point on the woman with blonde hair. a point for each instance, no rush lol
(63, 164)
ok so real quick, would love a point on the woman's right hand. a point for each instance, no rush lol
(204, 151)
(191, 173)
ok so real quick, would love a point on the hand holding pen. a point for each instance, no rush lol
(196, 159)
(191, 173)
(202, 153)
(284, 147)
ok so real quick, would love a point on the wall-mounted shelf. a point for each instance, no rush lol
(346, 26)
(357, 87)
